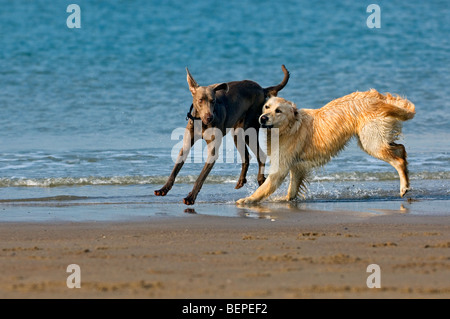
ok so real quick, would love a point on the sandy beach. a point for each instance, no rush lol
(95, 99)
(295, 254)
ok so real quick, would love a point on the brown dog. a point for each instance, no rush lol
(309, 138)
(223, 106)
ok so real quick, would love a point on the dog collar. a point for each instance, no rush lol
(189, 114)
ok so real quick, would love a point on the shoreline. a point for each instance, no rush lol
(308, 254)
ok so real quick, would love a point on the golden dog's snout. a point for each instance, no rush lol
(263, 119)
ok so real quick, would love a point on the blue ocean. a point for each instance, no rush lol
(88, 113)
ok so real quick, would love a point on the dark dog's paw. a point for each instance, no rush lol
(261, 180)
(161, 192)
(240, 183)
(189, 200)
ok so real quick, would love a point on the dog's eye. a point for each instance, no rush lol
(278, 111)
(267, 107)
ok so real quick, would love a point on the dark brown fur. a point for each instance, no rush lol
(225, 105)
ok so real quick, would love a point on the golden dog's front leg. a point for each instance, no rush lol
(269, 186)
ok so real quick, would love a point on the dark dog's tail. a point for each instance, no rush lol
(273, 90)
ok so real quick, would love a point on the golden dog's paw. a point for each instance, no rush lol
(246, 200)
(403, 191)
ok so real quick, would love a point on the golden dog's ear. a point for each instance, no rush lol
(294, 108)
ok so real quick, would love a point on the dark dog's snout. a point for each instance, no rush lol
(209, 117)
(263, 119)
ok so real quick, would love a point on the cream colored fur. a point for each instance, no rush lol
(311, 137)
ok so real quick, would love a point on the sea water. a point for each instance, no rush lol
(87, 114)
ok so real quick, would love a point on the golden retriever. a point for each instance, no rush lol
(309, 138)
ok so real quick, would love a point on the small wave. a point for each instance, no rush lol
(60, 198)
(99, 181)
(212, 179)
(377, 176)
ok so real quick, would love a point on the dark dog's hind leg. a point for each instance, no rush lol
(245, 156)
(260, 155)
(261, 158)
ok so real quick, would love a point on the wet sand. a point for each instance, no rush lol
(298, 254)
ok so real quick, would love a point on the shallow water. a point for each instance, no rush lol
(88, 114)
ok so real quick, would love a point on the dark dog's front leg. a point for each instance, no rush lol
(168, 185)
(190, 199)
(213, 143)
(188, 142)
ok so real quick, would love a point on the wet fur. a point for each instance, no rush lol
(309, 138)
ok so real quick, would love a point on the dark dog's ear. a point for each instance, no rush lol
(220, 86)
(294, 109)
(190, 80)
(272, 93)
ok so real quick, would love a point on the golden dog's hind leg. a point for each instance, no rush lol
(297, 181)
(397, 158)
(392, 153)
(377, 138)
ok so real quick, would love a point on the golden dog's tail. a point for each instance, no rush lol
(396, 106)
(402, 103)
(404, 109)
